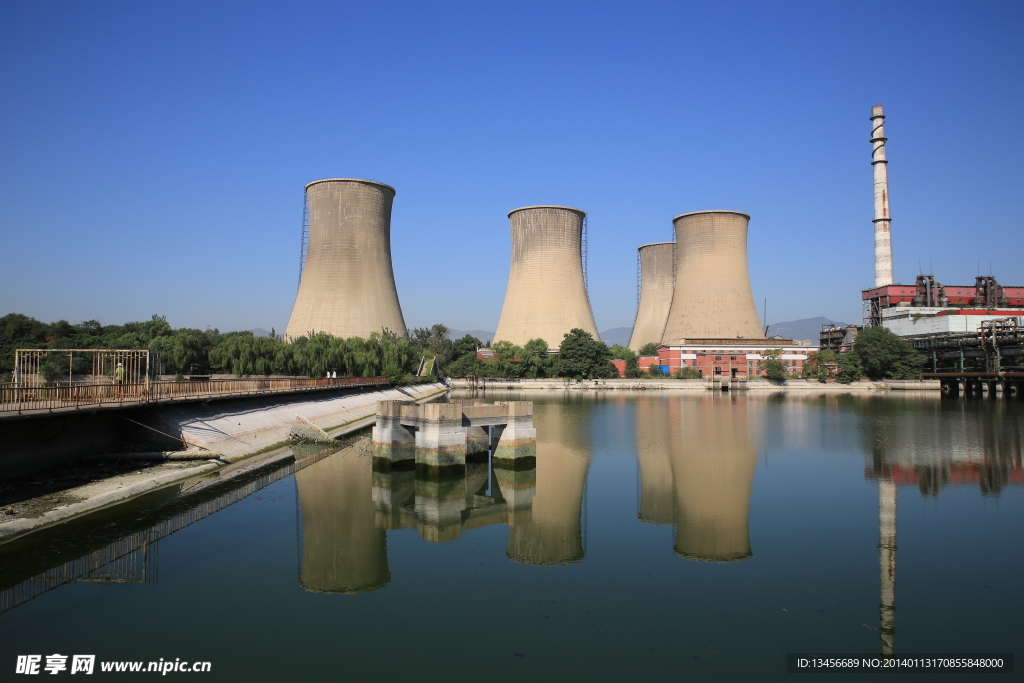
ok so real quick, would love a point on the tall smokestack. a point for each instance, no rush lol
(883, 237)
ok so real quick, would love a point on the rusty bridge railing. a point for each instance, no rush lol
(20, 399)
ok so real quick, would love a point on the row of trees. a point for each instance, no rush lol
(193, 351)
(877, 353)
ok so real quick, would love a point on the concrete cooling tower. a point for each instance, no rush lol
(712, 298)
(343, 550)
(347, 285)
(546, 295)
(657, 282)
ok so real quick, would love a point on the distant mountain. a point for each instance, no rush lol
(483, 335)
(617, 335)
(807, 328)
(260, 332)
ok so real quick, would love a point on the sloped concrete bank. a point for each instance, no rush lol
(225, 439)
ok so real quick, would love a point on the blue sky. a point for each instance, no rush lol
(154, 154)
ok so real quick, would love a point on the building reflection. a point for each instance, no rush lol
(944, 443)
(697, 467)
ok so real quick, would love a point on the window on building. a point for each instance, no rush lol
(718, 358)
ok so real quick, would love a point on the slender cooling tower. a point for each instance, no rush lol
(657, 281)
(712, 298)
(347, 287)
(546, 295)
(883, 235)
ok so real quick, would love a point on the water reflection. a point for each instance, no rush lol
(551, 531)
(697, 463)
(934, 444)
(342, 549)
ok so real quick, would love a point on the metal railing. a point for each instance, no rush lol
(20, 399)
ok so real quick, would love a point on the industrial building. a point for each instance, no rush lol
(547, 292)
(712, 297)
(728, 358)
(346, 281)
(656, 264)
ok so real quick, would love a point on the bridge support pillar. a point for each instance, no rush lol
(441, 438)
(517, 446)
(392, 440)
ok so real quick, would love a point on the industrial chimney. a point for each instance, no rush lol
(712, 298)
(657, 264)
(546, 295)
(347, 285)
(883, 236)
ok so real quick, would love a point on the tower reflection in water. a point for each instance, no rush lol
(944, 443)
(696, 471)
(349, 501)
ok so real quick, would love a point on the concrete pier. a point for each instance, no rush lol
(444, 434)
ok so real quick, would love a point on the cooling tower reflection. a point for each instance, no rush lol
(696, 470)
(342, 548)
(551, 532)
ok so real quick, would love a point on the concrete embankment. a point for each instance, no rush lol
(689, 385)
(226, 438)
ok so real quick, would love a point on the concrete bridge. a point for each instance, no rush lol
(443, 434)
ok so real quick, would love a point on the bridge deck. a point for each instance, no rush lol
(18, 401)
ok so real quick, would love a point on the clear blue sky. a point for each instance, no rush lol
(153, 155)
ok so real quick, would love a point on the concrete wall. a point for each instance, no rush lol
(713, 297)
(657, 283)
(546, 295)
(348, 284)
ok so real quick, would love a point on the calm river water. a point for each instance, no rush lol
(659, 538)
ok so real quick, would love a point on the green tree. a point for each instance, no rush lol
(883, 354)
(619, 352)
(649, 349)
(771, 363)
(818, 364)
(580, 356)
(535, 360)
(435, 340)
(848, 368)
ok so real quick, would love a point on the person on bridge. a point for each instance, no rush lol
(119, 374)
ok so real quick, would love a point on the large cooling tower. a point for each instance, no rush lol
(546, 295)
(657, 282)
(712, 298)
(347, 286)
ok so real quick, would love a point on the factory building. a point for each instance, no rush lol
(728, 358)
(712, 297)
(346, 281)
(657, 274)
(547, 292)
(929, 308)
